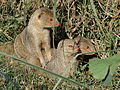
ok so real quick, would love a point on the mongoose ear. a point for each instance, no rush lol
(60, 44)
(39, 16)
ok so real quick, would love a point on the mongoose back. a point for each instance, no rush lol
(35, 37)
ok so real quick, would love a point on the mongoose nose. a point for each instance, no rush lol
(57, 24)
(77, 48)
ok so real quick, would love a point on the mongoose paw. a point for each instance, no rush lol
(44, 65)
(49, 57)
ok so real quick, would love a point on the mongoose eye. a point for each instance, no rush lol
(88, 47)
(39, 16)
(51, 19)
(70, 46)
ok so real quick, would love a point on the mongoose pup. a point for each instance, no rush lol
(63, 61)
(85, 45)
(35, 37)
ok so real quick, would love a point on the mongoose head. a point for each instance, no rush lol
(85, 45)
(43, 18)
(69, 46)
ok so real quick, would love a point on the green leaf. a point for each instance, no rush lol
(99, 68)
(108, 80)
(114, 63)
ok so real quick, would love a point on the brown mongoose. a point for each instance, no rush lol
(85, 45)
(63, 60)
(35, 37)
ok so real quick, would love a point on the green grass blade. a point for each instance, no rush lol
(43, 69)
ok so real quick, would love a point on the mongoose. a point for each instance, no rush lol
(63, 60)
(35, 37)
(3, 1)
(85, 45)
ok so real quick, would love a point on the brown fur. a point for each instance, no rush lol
(35, 37)
(63, 60)
(85, 45)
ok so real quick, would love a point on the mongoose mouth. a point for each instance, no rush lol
(77, 49)
(48, 28)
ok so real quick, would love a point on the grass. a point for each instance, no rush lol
(96, 20)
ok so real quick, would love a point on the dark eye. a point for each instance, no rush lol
(39, 16)
(88, 47)
(51, 19)
(70, 46)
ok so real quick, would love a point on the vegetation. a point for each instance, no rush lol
(97, 20)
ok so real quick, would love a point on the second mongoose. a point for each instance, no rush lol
(85, 45)
(63, 58)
